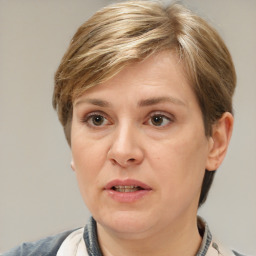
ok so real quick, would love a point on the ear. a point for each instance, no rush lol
(221, 134)
(72, 165)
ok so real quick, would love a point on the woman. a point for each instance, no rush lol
(144, 94)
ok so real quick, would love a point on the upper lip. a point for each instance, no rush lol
(127, 182)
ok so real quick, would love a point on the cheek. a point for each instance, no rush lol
(180, 163)
(85, 151)
(88, 159)
(180, 176)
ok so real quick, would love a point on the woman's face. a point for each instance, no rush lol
(139, 148)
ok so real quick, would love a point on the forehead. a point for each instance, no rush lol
(156, 74)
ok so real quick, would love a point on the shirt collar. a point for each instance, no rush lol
(93, 248)
(206, 236)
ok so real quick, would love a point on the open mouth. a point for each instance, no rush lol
(126, 189)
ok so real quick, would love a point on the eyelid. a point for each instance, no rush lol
(169, 116)
(165, 115)
(93, 113)
(85, 119)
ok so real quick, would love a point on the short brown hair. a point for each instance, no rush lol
(131, 31)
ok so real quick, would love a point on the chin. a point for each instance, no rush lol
(126, 222)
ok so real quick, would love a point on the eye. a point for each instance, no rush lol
(96, 120)
(159, 120)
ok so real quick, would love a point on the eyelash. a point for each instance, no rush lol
(88, 119)
(162, 117)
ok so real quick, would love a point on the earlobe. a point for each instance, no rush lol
(72, 165)
(219, 141)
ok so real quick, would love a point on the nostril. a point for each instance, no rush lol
(123, 162)
(113, 161)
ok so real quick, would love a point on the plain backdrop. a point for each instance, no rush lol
(38, 190)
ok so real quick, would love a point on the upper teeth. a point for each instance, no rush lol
(126, 188)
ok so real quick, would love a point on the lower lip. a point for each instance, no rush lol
(127, 197)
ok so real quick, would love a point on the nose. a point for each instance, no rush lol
(125, 149)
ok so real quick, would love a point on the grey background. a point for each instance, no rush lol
(38, 191)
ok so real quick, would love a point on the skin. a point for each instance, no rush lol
(145, 124)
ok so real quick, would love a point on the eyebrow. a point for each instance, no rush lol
(157, 100)
(96, 102)
(142, 103)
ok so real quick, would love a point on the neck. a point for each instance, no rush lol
(179, 240)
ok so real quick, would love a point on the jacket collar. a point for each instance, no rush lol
(85, 242)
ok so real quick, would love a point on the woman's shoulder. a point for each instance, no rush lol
(47, 246)
(210, 245)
